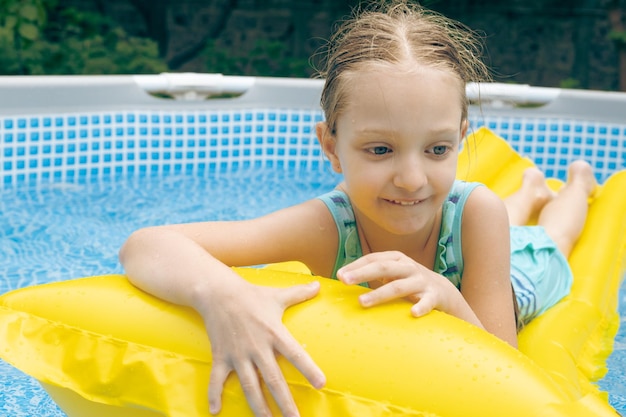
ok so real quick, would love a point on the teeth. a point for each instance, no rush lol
(405, 203)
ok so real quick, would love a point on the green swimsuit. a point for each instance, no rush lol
(540, 274)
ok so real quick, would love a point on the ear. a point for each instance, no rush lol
(328, 141)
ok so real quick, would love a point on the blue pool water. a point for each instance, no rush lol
(53, 232)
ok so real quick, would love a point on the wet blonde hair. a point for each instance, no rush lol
(397, 34)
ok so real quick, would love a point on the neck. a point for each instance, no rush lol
(420, 246)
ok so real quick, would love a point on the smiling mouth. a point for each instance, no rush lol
(405, 203)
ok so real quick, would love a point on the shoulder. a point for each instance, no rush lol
(485, 218)
(336, 197)
(338, 204)
(479, 198)
(460, 192)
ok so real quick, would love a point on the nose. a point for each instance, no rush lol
(410, 174)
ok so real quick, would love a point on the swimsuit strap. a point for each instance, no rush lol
(349, 244)
(449, 257)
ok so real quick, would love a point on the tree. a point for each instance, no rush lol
(39, 37)
(154, 13)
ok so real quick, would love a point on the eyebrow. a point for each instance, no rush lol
(385, 132)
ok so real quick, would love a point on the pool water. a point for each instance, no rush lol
(53, 232)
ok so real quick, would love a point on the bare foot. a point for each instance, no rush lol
(580, 174)
(530, 199)
(535, 188)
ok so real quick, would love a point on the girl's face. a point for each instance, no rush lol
(397, 144)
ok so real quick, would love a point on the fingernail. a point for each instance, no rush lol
(415, 312)
(365, 300)
(345, 276)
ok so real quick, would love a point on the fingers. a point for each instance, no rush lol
(298, 293)
(254, 360)
(300, 358)
(219, 373)
(275, 381)
(273, 376)
(399, 288)
(251, 386)
(400, 276)
(423, 306)
(248, 373)
(378, 266)
(291, 348)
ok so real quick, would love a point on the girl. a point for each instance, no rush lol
(395, 113)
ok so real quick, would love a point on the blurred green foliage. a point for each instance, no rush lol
(570, 83)
(38, 37)
(619, 37)
(267, 58)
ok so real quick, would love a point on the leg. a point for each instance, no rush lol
(565, 215)
(532, 196)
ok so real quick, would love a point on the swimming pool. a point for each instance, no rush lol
(76, 179)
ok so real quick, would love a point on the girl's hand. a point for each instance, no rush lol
(401, 277)
(244, 322)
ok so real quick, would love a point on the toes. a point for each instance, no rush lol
(581, 172)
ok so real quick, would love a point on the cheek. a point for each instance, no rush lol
(364, 172)
(363, 178)
(445, 174)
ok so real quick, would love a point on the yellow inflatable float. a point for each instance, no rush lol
(101, 347)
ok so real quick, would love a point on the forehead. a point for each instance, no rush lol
(396, 95)
(406, 73)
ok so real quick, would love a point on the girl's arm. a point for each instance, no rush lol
(486, 281)
(189, 265)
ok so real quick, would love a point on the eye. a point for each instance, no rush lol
(439, 150)
(379, 150)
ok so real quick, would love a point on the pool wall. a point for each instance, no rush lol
(67, 129)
